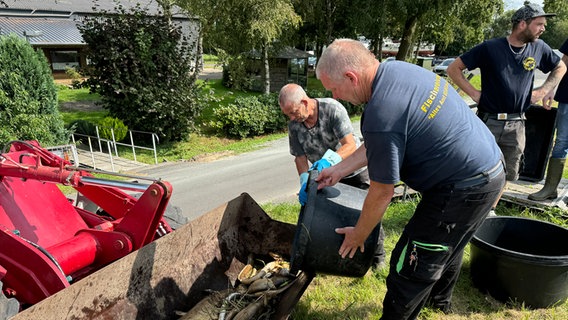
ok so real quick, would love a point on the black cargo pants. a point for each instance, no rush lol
(426, 261)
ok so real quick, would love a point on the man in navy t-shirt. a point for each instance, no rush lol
(507, 72)
(418, 130)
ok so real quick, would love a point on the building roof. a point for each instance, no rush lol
(283, 53)
(43, 31)
(54, 22)
(68, 7)
(292, 53)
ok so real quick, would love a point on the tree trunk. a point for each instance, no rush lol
(407, 35)
(266, 71)
(330, 11)
(199, 55)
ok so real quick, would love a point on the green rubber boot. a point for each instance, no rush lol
(553, 176)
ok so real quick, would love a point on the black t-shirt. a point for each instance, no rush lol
(562, 90)
(507, 73)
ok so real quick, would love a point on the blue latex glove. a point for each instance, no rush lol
(303, 195)
(320, 165)
(330, 158)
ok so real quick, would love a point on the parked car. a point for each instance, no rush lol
(436, 61)
(312, 62)
(441, 68)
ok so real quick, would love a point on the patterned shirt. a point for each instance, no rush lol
(332, 125)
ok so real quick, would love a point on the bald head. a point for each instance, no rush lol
(291, 95)
(342, 55)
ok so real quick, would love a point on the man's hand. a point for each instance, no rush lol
(328, 177)
(320, 165)
(330, 158)
(547, 100)
(476, 96)
(538, 95)
(351, 242)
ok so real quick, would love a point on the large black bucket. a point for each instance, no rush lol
(316, 244)
(520, 259)
(539, 132)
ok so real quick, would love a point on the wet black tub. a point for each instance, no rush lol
(522, 260)
(316, 244)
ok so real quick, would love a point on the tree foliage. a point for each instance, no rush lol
(142, 66)
(28, 96)
(464, 25)
(239, 26)
(501, 26)
(557, 29)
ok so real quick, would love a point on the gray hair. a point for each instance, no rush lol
(343, 55)
(291, 93)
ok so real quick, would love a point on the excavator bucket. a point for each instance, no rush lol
(175, 272)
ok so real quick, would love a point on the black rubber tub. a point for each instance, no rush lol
(316, 244)
(522, 260)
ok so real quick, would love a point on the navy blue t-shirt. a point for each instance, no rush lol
(417, 129)
(562, 90)
(507, 77)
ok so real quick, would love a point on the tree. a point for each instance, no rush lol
(501, 25)
(325, 20)
(142, 67)
(408, 14)
(463, 25)
(557, 29)
(239, 26)
(28, 96)
(372, 20)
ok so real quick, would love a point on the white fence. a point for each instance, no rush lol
(111, 149)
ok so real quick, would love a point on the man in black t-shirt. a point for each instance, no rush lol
(507, 71)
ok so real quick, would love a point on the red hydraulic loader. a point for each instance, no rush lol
(59, 260)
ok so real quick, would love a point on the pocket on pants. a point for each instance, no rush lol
(422, 261)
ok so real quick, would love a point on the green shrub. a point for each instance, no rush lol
(83, 127)
(248, 117)
(143, 68)
(109, 125)
(28, 96)
(76, 78)
(239, 74)
(314, 93)
(351, 109)
(72, 73)
(277, 121)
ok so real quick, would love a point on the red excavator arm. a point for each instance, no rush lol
(48, 241)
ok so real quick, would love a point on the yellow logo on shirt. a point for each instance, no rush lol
(529, 63)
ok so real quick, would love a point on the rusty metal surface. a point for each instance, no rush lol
(172, 273)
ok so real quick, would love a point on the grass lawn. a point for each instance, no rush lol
(66, 94)
(333, 297)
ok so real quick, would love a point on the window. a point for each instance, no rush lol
(297, 71)
(61, 60)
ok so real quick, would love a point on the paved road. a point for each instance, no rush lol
(268, 175)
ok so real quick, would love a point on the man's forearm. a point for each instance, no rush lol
(554, 78)
(355, 161)
(456, 74)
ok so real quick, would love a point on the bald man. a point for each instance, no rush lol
(320, 132)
